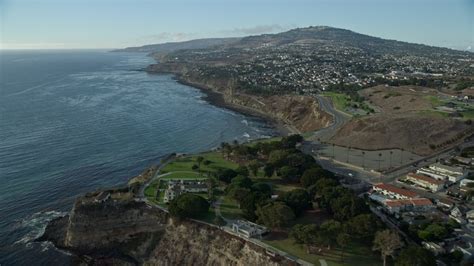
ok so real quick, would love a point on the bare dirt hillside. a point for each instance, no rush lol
(421, 135)
(402, 99)
(404, 120)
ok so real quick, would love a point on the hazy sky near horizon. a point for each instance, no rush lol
(49, 24)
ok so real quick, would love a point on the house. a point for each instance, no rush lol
(393, 191)
(430, 183)
(248, 229)
(445, 203)
(431, 173)
(453, 173)
(435, 248)
(413, 205)
(463, 160)
(458, 215)
(470, 216)
(463, 185)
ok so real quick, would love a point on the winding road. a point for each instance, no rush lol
(339, 119)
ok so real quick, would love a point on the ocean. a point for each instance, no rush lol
(74, 121)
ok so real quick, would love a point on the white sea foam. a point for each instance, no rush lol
(35, 225)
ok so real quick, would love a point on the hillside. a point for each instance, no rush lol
(174, 46)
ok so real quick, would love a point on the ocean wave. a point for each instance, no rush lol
(35, 225)
(245, 122)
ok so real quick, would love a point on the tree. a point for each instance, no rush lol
(328, 232)
(298, 200)
(311, 176)
(288, 173)
(206, 162)
(278, 157)
(434, 232)
(318, 187)
(250, 202)
(226, 175)
(242, 170)
(363, 226)
(306, 234)
(253, 167)
(241, 181)
(263, 188)
(188, 206)
(195, 167)
(268, 170)
(275, 215)
(199, 160)
(414, 255)
(291, 141)
(343, 240)
(386, 242)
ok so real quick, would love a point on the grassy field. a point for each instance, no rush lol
(435, 101)
(185, 175)
(433, 113)
(468, 114)
(355, 254)
(230, 208)
(186, 163)
(339, 100)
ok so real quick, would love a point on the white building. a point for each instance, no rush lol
(248, 229)
(430, 183)
(470, 216)
(393, 191)
(412, 205)
(453, 173)
(431, 173)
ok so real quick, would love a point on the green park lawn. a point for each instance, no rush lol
(186, 163)
(184, 175)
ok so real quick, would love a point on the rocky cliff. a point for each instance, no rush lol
(112, 228)
(303, 113)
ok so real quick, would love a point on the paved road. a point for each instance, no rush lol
(339, 119)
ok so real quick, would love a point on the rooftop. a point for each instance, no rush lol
(396, 190)
(426, 179)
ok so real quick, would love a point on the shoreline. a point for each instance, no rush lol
(217, 99)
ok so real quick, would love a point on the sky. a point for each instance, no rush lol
(68, 24)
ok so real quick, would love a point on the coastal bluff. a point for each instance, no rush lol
(298, 112)
(113, 227)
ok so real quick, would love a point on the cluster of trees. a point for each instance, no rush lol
(424, 82)
(188, 206)
(464, 84)
(432, 231)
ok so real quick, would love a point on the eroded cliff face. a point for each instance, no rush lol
(110, 228)
(301, 112)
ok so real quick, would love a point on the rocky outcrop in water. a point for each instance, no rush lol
(110, 227)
